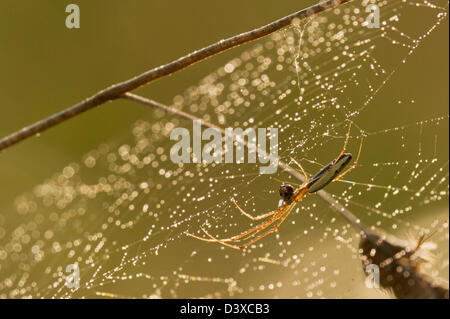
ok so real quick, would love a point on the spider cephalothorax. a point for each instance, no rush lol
(286, 192)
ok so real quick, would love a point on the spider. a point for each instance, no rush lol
(290, 197)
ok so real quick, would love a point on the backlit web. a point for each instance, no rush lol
(121, 212)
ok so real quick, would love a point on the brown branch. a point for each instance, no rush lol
(117, 90)
(165, 108)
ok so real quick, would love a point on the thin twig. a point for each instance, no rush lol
(168, 109)
(117, 90)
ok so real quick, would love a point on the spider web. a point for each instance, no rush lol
(122, 212)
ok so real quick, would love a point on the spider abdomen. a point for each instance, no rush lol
(326, 175)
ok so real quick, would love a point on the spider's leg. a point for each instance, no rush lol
(286, 214)
(259, 227)
(303, 171)
(264, 226)
(301, 193)
(347, 137)
(212, 239)
(354, 163)
(237, 237)
(219, 241)
(200, 238)
(253, 217)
